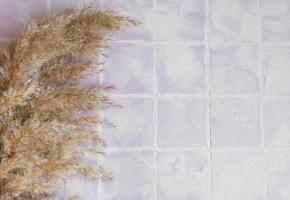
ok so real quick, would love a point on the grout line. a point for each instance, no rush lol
(194, 148)
(155, 111)
(48, 6)
(261, 83)
(142, 42)
(193, 96)
(208, 94)
(213, 45)
(196, 43)
(155, 128)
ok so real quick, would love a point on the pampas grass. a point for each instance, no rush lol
(45, 113)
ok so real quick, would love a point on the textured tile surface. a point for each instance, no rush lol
(15, 14)
(275, 20)
(182, 122)
(134, 123)
(179, 20)
(130, 68)
(135, 176)
(277, 118)
(238, 175)
(233, 21)
(278, 163)
(182, 72)
(234, 70)
(205, 90)
(276, 70)
(235, 122)
(183, 175)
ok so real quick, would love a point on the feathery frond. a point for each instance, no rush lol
(45, 125)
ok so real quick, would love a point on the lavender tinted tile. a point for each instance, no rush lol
(10, 23)
(235, 122)
(181, 69)
(140, 10)
(134, 176)
(233, 21)
(275, 20)
(276, 70)
(278, 175)
(179, 20)
(15, 14)
(183, 175)
(238, 175)
(134, 123)
(182, 122)
(83, 187)
(57, 5)
(130, 68)
(277, 122)
(34, 9)
(234, 70)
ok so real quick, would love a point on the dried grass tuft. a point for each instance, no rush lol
(45, 125)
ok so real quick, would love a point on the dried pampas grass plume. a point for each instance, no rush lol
(45, 113)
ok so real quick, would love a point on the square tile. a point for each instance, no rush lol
(182, 122)
(275, 20)
(235, 122)
(84, 187)
(134, 176)
(277, 122)
(134, 123)
(130, 68)
(233, 21)
(57, 5)
(95, 3)
(183, 175)
(234, 70)
(139, 9)
(180, 20)
(10, 23)
(181, 69)
(278, 175)
(276, 70)
(238, 175)
(15, 14)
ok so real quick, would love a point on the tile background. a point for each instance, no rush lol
(206, 94)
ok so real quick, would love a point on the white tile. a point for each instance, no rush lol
(233, 21)
(275, 20)
(134, 123)
(234, 70)
(179, 20)
(182, 122)
(278, 174)
(235, 122)
(276, 70)
(238, 176)
(84, 187)
(181, 69)
(134, 176)
(183, 176)
(277, 122)
(130, 68)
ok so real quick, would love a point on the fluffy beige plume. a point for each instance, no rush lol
(45, 125)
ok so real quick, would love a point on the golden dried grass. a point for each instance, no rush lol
(45, 125)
